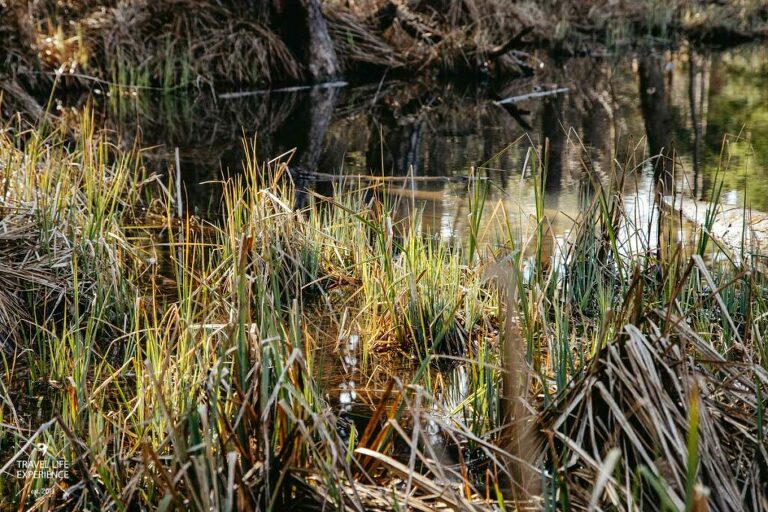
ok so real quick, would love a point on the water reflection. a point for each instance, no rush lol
(654, 106)
(348, 395)
(616, 112)
(348, 374)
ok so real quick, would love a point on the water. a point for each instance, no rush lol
(614, 108)
(615, 112)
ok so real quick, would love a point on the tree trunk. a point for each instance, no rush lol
(304, 29)
(323, 65)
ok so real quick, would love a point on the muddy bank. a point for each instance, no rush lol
(239, 44)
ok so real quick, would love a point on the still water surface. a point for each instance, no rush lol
(615, 112)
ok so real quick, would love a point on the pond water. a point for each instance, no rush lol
(610, 114)
(599, 117)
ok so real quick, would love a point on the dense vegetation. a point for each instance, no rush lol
(160, 357)
(174, 362)
(225, 43)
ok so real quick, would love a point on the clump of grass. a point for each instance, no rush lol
(418, 293)
(637, 396)
(57, 221)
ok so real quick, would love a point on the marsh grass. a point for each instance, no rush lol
(174, 364)
(183, 383)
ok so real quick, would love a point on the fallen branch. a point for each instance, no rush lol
(320, 176)
(532, 95)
